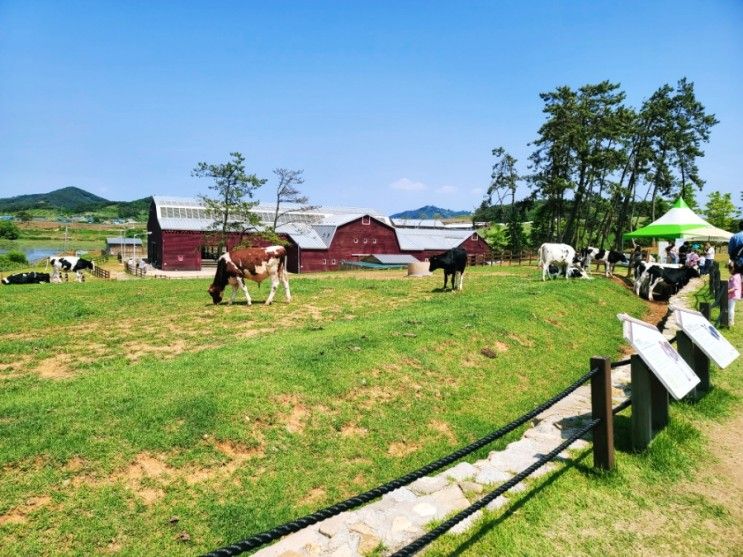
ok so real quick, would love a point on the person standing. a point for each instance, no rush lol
(710, 255)
(674, 254)
(734, 291)
(683, 250)
(735, 246)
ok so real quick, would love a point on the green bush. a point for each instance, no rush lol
(8, 230)
(13, 260)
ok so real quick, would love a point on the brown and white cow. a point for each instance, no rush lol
(256, 264)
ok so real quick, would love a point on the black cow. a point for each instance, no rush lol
(452, 262)
(608, 258)
(26, 278)
(675, 278)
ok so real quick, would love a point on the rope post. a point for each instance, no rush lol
(697, 360)
(705, 310)
(649, 404)
(601, 409)
(722, 301)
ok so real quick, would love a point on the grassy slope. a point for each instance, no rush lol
(681, 497)
(153, 403)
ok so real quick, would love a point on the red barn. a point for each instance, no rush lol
(317, 240)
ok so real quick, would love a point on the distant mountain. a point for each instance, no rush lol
(68, 200)
(430, 212)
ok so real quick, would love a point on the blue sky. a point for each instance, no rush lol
(391, 105)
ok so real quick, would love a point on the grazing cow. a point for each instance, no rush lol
(608, 258)
(27, 278)
(69, 264)
(453, 262)
(675, 278)
(562, 255)
(256, 264)
(575, 272)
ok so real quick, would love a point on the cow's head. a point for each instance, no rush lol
(434, 262)
(215, 293)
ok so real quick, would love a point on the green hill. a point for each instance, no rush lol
(430, 212)
(72, 200)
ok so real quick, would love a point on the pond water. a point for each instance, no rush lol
(36, 253)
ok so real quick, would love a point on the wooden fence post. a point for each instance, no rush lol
(649, 404)
(697, 360)
(722, 301)
(603, 432)
(704, 309)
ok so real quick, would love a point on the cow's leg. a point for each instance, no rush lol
(652, 287)
(244, 287)
(544, 272)
(285, 282)
(274, 286)
(446, 278)
(461, 280)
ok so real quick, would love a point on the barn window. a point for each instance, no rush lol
(170, 212)
(324, 261)
(332, 261)
(366, 219)
(355, 240)
(474, 237)
(366, 240)
(374, 240)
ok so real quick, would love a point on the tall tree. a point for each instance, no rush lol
(230, 209)
(287, 192)
(720, 210)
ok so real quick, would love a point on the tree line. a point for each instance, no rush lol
(600, 167)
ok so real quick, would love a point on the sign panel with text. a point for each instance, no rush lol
(658, 354)
(706, 337)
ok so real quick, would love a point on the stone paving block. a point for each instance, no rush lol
(401, 495)
(471, 487)
(330, 526)
(496, 503)
(369, 538)
(460, 472)
(466, 524)
(448, 500)
(491, 475)
(427, 485)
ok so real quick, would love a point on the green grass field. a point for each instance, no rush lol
(124, 404)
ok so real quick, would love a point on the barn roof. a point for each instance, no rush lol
(430, 238)
(304, 235)
(392, 258)
(123, 241)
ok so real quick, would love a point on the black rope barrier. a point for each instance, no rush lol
(267, 536)
(621, 363)
(673, 339)
(423, 541)
(624, 405)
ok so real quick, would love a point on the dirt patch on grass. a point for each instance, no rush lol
(444, 429)
(136, 350)
(522, 341)
(55, 368)
(399, 449)
(19, 515)
(294, 420)
(353, 430)
(313, 497)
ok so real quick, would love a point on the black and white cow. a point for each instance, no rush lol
(69, 264)
(560, 255)
(575, 272)
(453, 262)
(600, 255)
(676, 279)
(27, 278)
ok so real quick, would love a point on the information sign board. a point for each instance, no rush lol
(658, 354)
(706, 337)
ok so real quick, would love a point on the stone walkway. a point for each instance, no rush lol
(402, 515)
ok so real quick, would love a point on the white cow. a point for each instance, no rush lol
(561, 255)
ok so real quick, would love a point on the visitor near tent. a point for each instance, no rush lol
(735, 246)
(734, 291)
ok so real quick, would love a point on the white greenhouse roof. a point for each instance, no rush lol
(427, 239)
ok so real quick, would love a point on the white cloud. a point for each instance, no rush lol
(407, 185)
(447, 189)
(477, 191)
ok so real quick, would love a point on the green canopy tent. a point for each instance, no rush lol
(681, 222)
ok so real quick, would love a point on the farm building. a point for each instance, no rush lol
(317, 240)
(129, 247)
